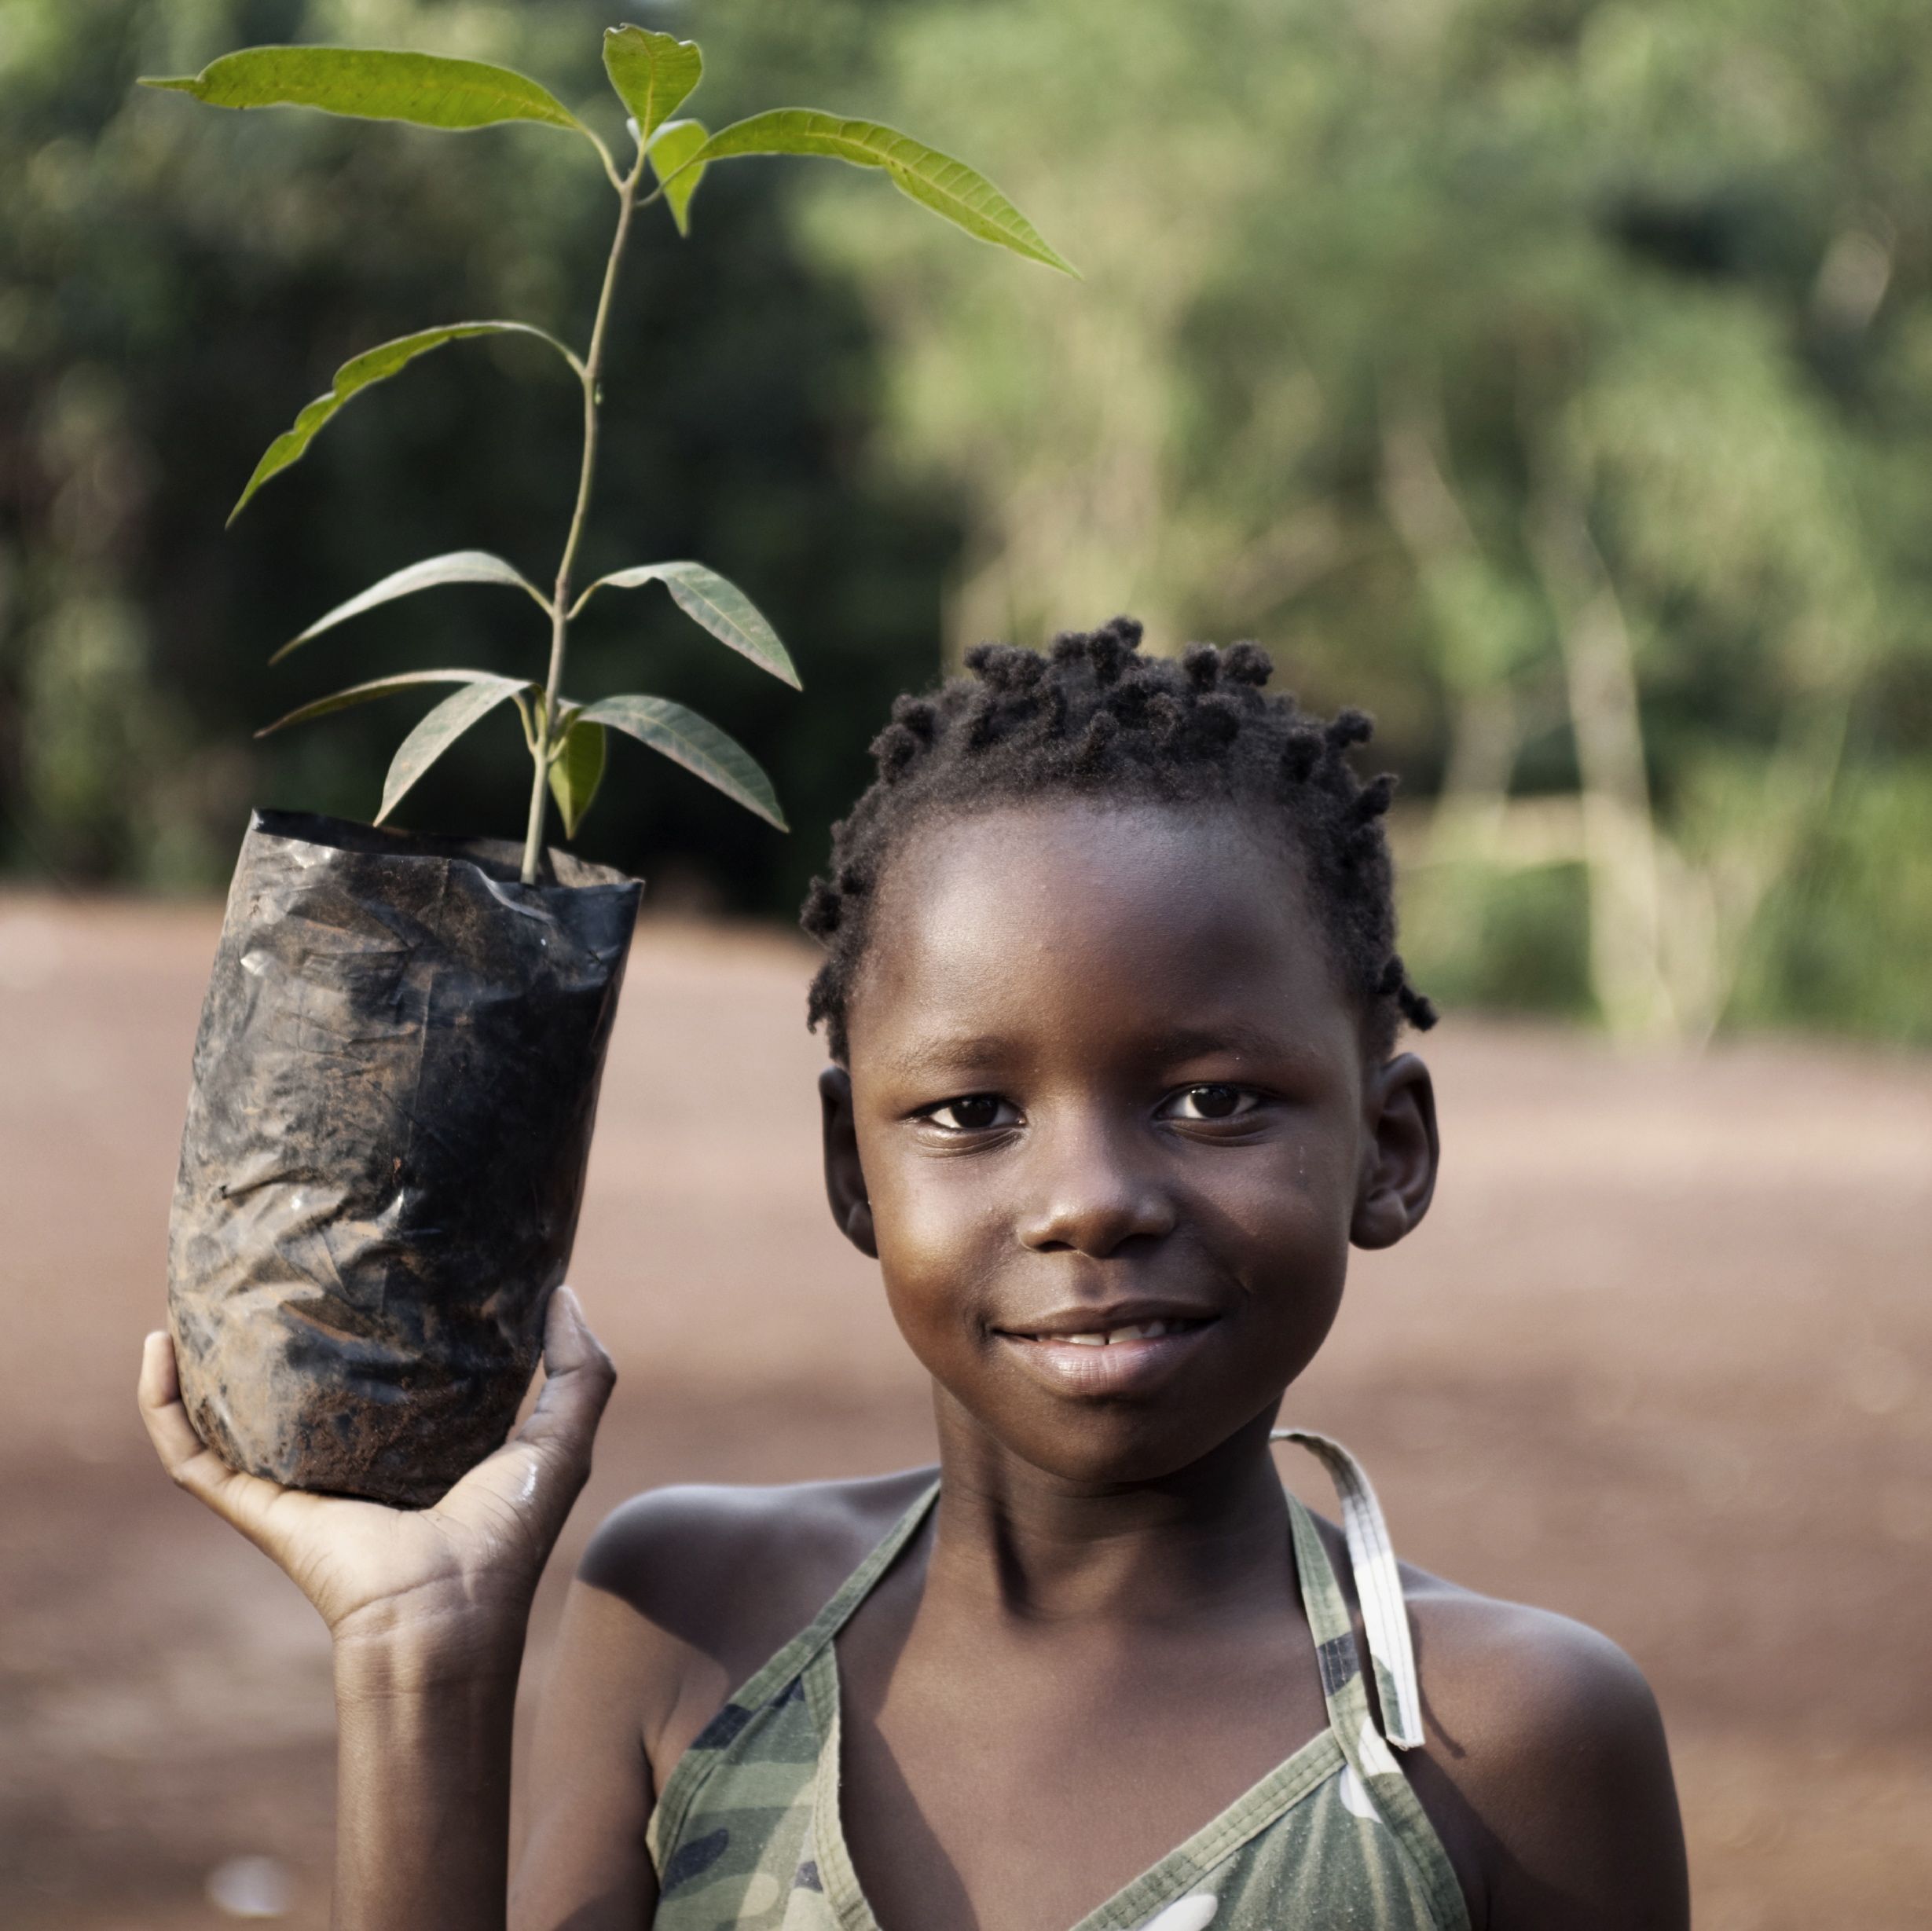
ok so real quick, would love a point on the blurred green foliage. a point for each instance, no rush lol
(174, 285)
(1553, 376)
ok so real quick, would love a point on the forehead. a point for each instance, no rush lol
(1097, 923)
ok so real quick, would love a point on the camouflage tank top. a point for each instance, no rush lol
(747, 1837)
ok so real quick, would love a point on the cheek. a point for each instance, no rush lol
(1289, 1203)
(939, 1228)
(1281, 1222)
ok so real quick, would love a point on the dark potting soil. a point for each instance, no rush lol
(395, 1083)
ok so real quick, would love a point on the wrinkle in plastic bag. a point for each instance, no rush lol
(395, 1083)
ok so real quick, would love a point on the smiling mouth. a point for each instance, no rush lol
(1111, 1336)
(1132, 1354)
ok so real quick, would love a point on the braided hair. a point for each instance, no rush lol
(1095, 718)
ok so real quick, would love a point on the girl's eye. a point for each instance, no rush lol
(975, 1113)
(1212, 1102)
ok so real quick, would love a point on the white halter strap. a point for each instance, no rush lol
(1378, 1584)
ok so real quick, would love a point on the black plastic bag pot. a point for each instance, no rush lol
(394, 1085)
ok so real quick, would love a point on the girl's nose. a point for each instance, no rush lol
(1091, 1198)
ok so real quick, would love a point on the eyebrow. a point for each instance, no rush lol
(1188, 1042)
(1200, 1041)
(917, 1061)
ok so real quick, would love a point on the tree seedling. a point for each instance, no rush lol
(653, 74)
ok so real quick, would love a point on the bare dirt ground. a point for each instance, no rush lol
(1662, 1359)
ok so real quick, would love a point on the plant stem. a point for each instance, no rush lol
(560, 600)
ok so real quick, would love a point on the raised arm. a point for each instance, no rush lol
(583, 1866)
(427, 1610)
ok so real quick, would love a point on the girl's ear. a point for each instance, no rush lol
(1399, 1168)
(844, 1178)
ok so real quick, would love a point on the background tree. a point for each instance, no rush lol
(1553, 375)
(173, 286)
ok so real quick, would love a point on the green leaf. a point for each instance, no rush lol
(440, 730)
(716, 603)
(383, 687)
(376, 84)
(576, 771)
(672, 147)
(948, 187)
(695, 743)
(375, 365)
(459, 566)
(651, 72)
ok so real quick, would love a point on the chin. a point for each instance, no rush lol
(1109, 1444)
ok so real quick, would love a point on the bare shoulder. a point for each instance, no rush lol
(717, 1579)
(681, 1595)
(1517, 1679)
(1545, 1769)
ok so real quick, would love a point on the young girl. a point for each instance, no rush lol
(1111, 999)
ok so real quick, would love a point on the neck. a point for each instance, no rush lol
(1212, 1537)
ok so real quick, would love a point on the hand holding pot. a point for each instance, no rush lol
(459, 1576)
(427, 1608)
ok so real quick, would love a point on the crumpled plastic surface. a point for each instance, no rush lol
(395, 1083)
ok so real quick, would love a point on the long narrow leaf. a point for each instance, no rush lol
(440, 730)
(716, 603)
(672, 147)
(375, 84)
(384, 686)
(375, 365)
(948, 187)
(696, 743)
(459, 566)
(576, 772)
(652, 73)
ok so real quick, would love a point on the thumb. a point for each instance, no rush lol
(578, 1377)
(540, 1469)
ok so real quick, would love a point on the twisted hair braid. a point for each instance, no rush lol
(1093, 718)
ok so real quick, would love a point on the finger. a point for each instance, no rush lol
(568, 1341)
(578, 1377)
(159, 1394)
(546, 1462)
(243, 1500)
(160, 1377)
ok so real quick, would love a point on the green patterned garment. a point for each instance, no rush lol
(747, 1837)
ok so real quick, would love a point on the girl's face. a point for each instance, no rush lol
(1110, 1130)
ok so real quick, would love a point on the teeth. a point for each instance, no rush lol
(1141, 1331)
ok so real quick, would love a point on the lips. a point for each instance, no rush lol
(1096, 1353)
(1109, 1336)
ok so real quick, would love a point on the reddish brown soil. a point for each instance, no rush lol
(1661, 1359)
